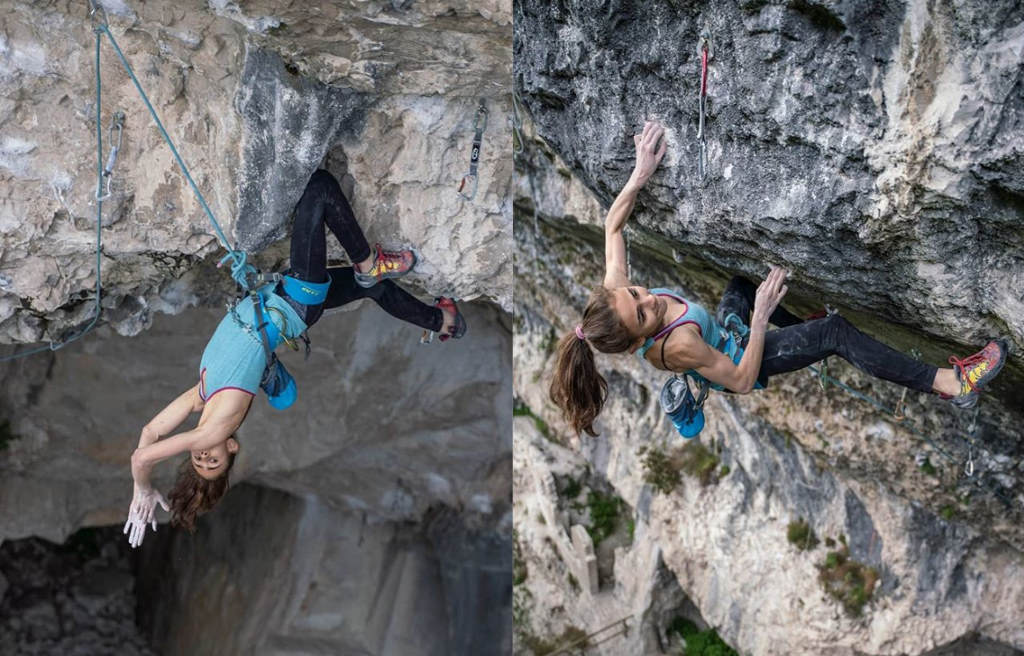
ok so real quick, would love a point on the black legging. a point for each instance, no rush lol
(798, 343)
(324, 203)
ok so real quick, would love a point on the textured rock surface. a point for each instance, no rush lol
(284, 574)
(874, 149)
(865, 228)
(256, 95)
(392, 446)
(76, 598)
(254, 98)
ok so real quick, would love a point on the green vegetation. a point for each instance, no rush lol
(948, 511)
(573, 583)
(520, 409)
(848, 581)
(572, 488)
(700, 643)
(700, 462)
(631, 528)
(659, 470)
(801, 535)
(604, 513)
(928, 468)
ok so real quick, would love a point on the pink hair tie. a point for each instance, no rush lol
(579, 332)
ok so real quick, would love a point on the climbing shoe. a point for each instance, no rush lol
(458, 329)
(975, 371)
(386, 264)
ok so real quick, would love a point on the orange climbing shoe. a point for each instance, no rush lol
(976, 371)
(386, 264)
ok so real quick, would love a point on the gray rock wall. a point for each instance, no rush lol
(873, 148)
(801, 174)
(270, 573)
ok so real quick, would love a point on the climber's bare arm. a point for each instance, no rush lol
(685, 350)
(171, 417)
(222, 415)
(648, 156)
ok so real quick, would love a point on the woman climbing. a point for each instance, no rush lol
(234, 360)
(676, 335)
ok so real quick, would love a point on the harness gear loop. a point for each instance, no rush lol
(479, 125)
(703, 49)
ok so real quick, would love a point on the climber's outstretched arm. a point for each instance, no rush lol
(648, 156)
(171, 417)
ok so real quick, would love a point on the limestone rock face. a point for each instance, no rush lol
(892, 204)
(875, 149)
(254, 99)
(256, 96)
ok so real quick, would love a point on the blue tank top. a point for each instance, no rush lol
(234, 357)
(711, 332)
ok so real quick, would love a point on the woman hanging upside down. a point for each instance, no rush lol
(676, 335)
(234, 360)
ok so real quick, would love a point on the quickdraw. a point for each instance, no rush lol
(704, 50)
(241, 271)
(972, 429)
(116, 123)
(516, 123)
(479, 125)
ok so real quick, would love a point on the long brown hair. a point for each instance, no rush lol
(577, 388)
(193, 495)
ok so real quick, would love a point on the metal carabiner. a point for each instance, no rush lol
(116, 123)
(95, 9)
(462, 185)
(969, 467)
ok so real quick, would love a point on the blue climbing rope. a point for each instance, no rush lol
(241, 270)
(53, 346)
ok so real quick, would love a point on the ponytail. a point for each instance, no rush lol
(577, 388)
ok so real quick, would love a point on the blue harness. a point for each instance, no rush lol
(277, 383)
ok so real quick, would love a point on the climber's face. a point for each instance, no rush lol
(213, 462)
(641, 311)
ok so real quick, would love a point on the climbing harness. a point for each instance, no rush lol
(116, 123)
(479, 125)
(704, 50)
(516, 123)
(677, 399)
(276, 382)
